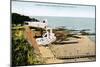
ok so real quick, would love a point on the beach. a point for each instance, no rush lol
(83, 50)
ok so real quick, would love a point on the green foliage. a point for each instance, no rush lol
(20, 19)
(22, 52)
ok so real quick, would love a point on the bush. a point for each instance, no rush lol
(22, 52)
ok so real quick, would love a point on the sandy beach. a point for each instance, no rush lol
(83, 50)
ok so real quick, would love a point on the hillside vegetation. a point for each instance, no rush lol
(22, 51)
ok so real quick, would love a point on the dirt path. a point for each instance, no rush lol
(48, 56)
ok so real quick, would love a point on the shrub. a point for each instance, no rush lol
(22, 52)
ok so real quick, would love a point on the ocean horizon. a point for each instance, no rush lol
(76, 23)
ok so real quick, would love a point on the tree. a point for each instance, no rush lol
(20, 19)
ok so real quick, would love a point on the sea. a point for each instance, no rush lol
(73, 23)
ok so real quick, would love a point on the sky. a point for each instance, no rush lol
(47, 9)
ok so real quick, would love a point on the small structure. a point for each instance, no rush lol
(37, 24)
(47, 38)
